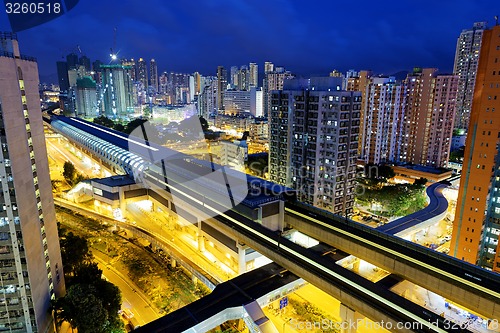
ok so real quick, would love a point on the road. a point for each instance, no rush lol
(132, 298)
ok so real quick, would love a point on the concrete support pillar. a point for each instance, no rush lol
(349, 319)
(281, 221)
(242, 263)
(201, 243)
(123, 206)
(201, 239)
(259, 215)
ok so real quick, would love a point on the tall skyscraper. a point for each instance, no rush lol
(72, 60)
(85, 62)
(233, 76)
(153, 74)
(197, 83)
(62, 75)
(142, 73)
(243, 78)
(314, 141)
(466, 62)
(476, 228)
(221, 87)
(31, 267)
(117, 93)
(254, 74)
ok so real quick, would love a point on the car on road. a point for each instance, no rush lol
(126, 313)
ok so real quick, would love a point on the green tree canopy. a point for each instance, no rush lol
(69, 172)
(74, 252)
(104, 121)
(82, 309)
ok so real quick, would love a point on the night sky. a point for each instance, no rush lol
(307, 37)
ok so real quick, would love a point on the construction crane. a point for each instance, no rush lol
(113, 55)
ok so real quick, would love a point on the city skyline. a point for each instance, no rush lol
(186, 38)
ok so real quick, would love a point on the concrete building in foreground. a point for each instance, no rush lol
(30, 258)
(476, 228)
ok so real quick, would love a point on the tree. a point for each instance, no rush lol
(420, 182)
(69, 172)
(104, 121)
(82, 309)
(119, 127)
(132, 125)
(204, 124)
(74, 252)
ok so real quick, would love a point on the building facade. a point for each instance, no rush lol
(476, 227)
(380, 119)
(427, 118)
(86, 98)
(466, 61)
(142, 73)
(153, 75)
(273, 80)
(313, 145)
(117, 93)
(30, 263)
(221, 87)
(234, 154)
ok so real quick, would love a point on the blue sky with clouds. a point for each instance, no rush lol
(307, 37)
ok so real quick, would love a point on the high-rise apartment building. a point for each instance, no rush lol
(243, 78)
(207, 101)
(466, 61)
(197, 83)
(153, 74)
(314, 128)
(381, 119)
(254, 74)
(142, 73)
(273, 80)
(30, 263)
(86, 98)
(243, 102)
(130, 67)
(427, 118)
(221, 87)
(268, 67)
(359, 82)
(476, 228)
(117, 93)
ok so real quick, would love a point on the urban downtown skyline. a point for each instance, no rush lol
(308, 39)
